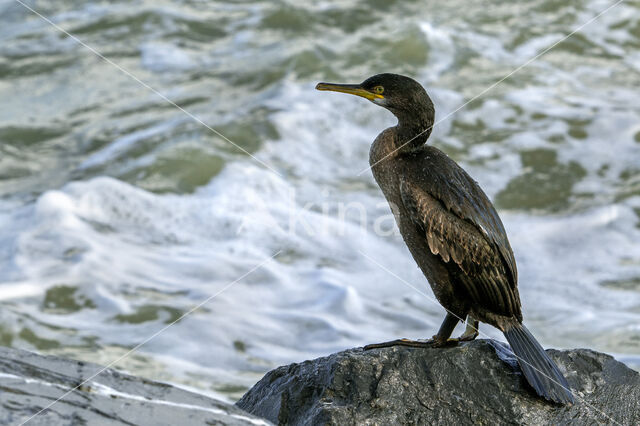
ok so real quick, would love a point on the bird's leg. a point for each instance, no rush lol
(439, 340)
(471, 332)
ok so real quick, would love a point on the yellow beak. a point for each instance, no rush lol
(352, 89)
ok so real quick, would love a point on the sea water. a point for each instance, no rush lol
(122, 208)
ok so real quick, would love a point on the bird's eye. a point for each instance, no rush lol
(378, 90)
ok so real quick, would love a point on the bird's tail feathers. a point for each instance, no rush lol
(540, 371)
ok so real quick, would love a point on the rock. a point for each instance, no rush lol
(476, 382)
(30, 382)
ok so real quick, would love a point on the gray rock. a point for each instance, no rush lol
(477, 382)
(30, 382)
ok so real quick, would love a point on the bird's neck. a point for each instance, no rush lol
(412, 132)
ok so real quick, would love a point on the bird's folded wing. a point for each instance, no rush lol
(483, 271)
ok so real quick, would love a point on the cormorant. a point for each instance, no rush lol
(451, 228)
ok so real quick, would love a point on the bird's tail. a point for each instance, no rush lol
(541, 372)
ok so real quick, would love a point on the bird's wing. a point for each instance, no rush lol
(485, 273)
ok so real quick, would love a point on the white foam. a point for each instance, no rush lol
(122, 145)
(161, 56)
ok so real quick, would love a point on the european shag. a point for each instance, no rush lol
(452, 230)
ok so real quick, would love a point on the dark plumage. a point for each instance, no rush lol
(451, 228)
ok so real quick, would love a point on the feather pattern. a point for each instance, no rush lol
(463, 228)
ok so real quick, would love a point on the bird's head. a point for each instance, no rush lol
(403, 96)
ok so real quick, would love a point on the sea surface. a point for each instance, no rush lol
(122, 208)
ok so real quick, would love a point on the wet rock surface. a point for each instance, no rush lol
(476, 382)
(30, 382)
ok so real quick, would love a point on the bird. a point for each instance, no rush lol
(451, 229)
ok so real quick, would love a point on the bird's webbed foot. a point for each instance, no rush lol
(434, 342)
(440, 340)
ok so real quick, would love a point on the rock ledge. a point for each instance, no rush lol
(30, 382)
(476, 382)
